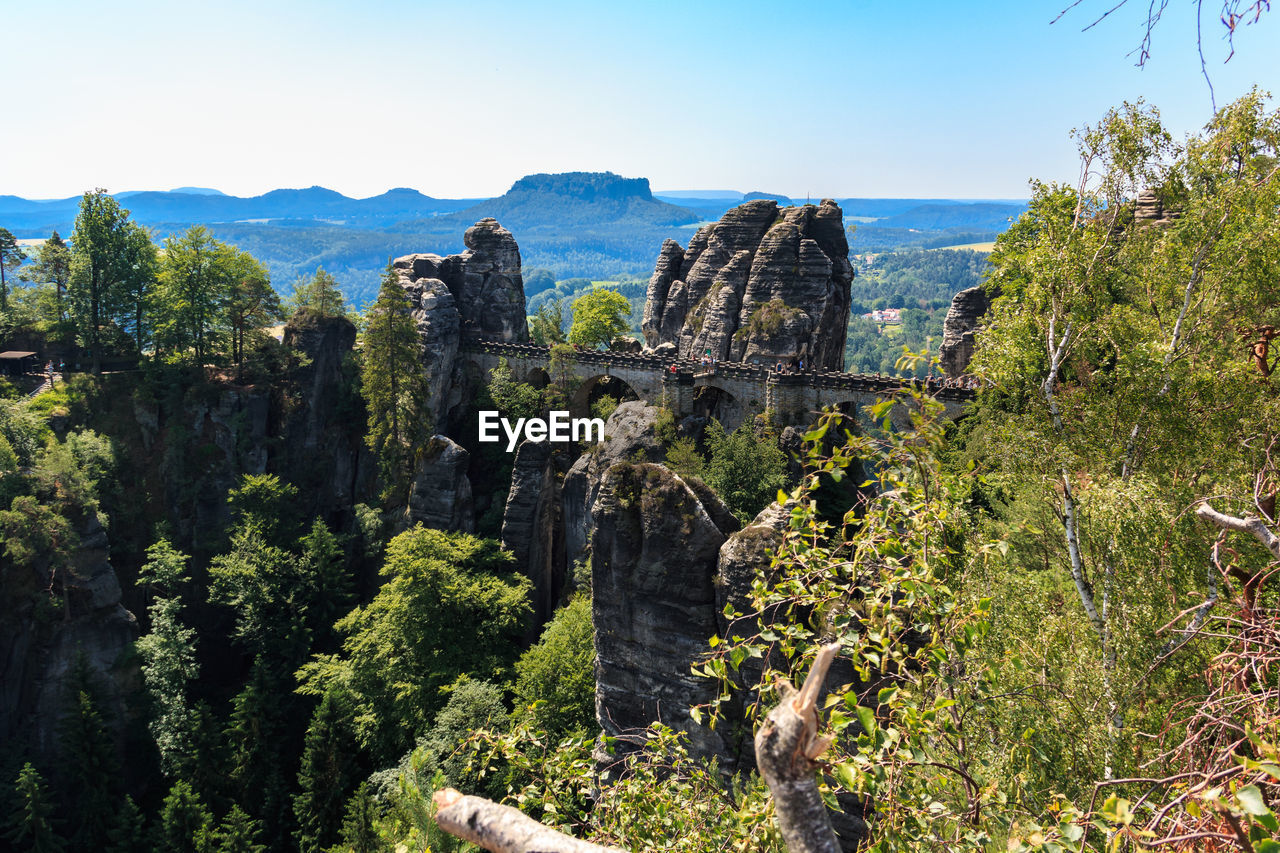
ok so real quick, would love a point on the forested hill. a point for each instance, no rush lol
(594, 225)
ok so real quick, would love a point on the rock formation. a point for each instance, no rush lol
(479, 293)
(531, 525)
(958, 329)
(761, 284)
(629, 435)
(44, 642)
(654, 603)
(440, 494)
(323, 450)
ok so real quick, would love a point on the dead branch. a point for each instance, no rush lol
(502, 829)
(786, 748)
(1254, 526)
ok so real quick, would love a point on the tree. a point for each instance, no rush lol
(128, 831)
(320, 295)
(52, 265)
(746, 469)
(546, 325)
(324, 569)
(168, 665)
(109, 268)
(11, 257)
(451, 606)
(185, 822)
(555, 678)
(238, 833)
(89, 754)
(330, 770)
(252, 303)
(358, 832)
(30, 826)
(196, 279)
(394, 383)
(599, 317)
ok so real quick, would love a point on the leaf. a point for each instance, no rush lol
(867, 718)
(1250, 799)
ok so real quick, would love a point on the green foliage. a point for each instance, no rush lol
(329, 772)
(555, 678)
(185, 822)
(546, 323)
(684, 459)
(89, 755)
(450, 606)
(165, 569)
(168, 665)
(30, 826)
(769, 318)
(320, 295)
(197, 274)
(238, 833)
(324, 566)
(746, 468)
(358, 828)
(269, 592)
(513, 399)
(443, 752)
(252, 305)
(604, 406)
(11, 257)
(112, 267)
(128, 832)
(394, 384)
(265, 502)
(598, 318)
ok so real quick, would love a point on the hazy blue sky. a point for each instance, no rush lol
(853, 98)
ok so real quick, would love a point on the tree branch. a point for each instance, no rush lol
(1254, 526)
(502, 829)
(786, 746)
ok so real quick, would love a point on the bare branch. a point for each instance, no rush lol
(786, 747)
(502, 829)
(1250, 524)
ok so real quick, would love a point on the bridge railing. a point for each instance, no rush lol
(687, 369)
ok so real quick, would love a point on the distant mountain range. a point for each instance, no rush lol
(577, 224)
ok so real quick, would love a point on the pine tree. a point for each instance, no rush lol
(238, 833)
(184, 821)
(30, 827)
(128, 832)
(329, 772)
(319, 295)
(358, 832)
(395, 385)
(92, 769)
(325, 566)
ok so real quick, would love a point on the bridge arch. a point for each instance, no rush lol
(597, 386)
(712, 400)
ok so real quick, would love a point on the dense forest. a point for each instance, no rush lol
(1052, 618)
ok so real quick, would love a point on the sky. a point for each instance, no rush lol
(933, 98)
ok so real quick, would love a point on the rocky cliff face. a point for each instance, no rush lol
(479, 293)
(44, 640)
(962, 322)
(440, 495)
(761, 284)
(531, 528)
(654, 551)
(323, 452)
(629, 435)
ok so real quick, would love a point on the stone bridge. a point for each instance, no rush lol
(730, 391)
